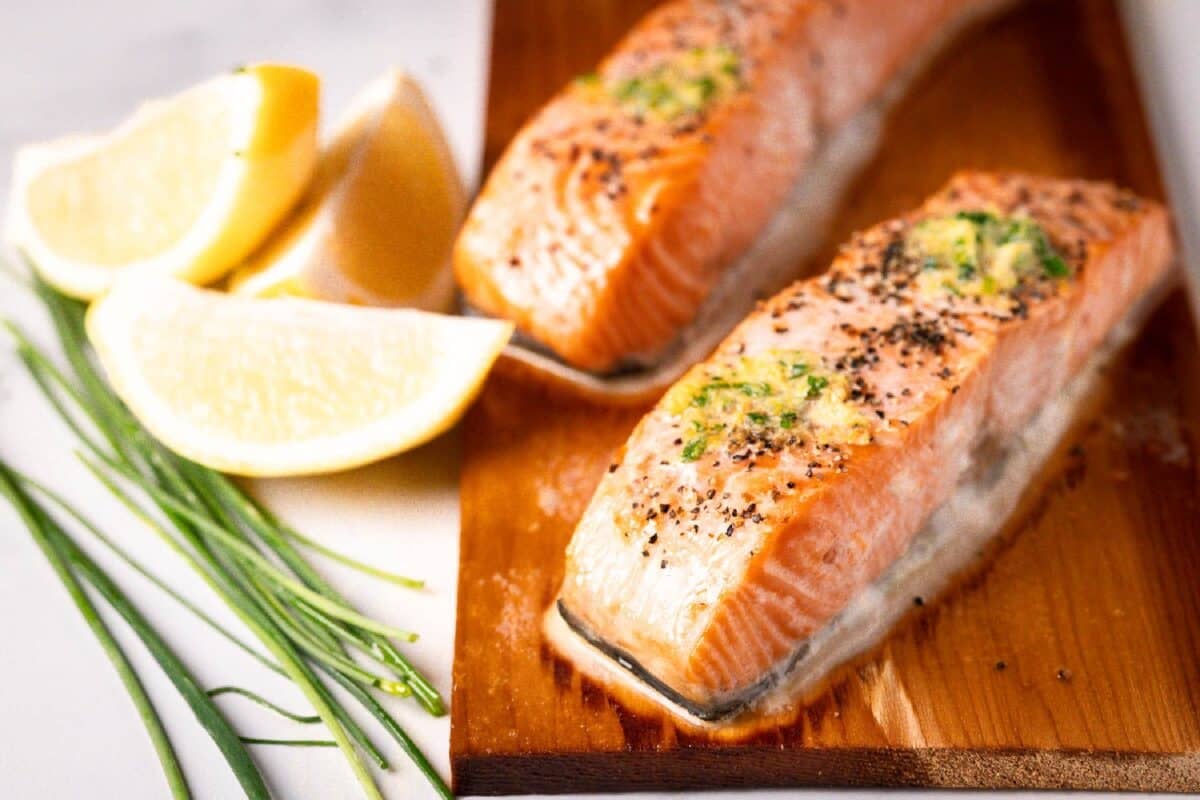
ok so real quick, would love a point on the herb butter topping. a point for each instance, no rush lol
(785, 398)
(777, 398)
(980, 254)
(686, 84)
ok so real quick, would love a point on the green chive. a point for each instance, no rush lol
(694, 448)
(1054, 266)
(34, 522)
(977, 217)
(219, 531)
(265, 703)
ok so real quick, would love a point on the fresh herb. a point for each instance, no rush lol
(706, 86)
(291, 742)
(754, 389)
(304, 719)
(684, 84)
(759, 399)
(245, 554)
(1054, 266)
(694, 449)
(50, 539)
(977, 217)
(978, 253)
(627, 89)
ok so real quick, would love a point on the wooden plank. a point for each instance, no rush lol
(1090, 601)
(538, 46)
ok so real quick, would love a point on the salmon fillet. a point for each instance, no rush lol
(604, 228)
(778, 480)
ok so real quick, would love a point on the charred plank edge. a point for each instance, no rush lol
(863, 767)
(709, 712)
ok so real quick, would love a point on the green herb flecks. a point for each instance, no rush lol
(694, 448)
(759, 397)
(981, 254)
(685, 84)
(1054, 266)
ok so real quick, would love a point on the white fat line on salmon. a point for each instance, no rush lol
(954, 536)
(790, 239)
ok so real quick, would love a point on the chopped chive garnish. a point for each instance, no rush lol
(1054, 266)
(977, 217)
(694, 448)
(754, 389)
(816, 383)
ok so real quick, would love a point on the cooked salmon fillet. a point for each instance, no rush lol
(611, 217)
(781, 478)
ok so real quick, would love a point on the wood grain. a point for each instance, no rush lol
(1069, 658)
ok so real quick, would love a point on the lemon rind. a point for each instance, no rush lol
(467, 357)
(192, 257)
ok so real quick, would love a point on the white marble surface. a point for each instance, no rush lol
(66, 727)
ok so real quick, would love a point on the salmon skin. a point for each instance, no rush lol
(787, 477)
(614, 218)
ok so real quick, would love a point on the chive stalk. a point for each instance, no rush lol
(255, 697)
(35, 523)
(241, 551)
(142, 570)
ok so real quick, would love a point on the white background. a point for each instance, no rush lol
(67, 729)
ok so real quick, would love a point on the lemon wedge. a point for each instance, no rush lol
(377, 225)
(287, 386)
(188, 186)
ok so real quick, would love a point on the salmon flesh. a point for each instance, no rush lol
(618, 225)
(787, 477)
